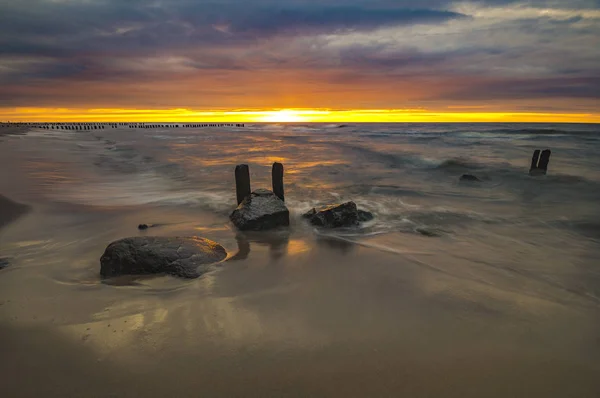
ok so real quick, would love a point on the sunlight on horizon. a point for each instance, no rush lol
(67, 115)
(284, 116)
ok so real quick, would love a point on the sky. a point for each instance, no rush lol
(300, 60)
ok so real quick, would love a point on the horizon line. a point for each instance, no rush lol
(241, 122)
(290, 115)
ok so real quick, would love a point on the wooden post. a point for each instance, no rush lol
(277, 177)
(539, 163)
(242, 182)
(544, 160)
(534, 160)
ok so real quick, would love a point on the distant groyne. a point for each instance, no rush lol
(110, 125)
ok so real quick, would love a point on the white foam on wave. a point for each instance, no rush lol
(140, 189)
(55, 134)
(495, 136)
(384, 248)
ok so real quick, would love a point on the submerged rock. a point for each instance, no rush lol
(143, 227)
(4, 263)
(338, 215)
(364, 216)
(188, 257)
(260, 211)
(469, 177)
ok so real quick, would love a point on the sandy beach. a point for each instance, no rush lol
(489, 309)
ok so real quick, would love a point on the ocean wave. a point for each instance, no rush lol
(55, 134)
(459, 164)
(544, 131)
(392, 190)
(377, 135)
(392, 160)
(353, 239)
(334, 126)
(441, 216)
(565, 179)
(144, 189)
(432, 223)
(588, 228)
(497, 135)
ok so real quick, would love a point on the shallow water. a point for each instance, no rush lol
(491, 288)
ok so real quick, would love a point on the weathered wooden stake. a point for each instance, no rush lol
(242, 182)
(534, 160)
(539, 163)
(544, 160)
(277, 176)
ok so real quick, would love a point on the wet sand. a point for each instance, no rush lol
(60, 367)
(288, 316)
(11, 211)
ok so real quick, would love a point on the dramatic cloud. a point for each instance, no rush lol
(500, 54)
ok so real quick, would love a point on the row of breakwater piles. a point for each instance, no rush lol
(109, 125)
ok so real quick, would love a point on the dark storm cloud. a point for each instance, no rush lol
(111, 41)
(79, 33)
(72, 30)
(327, 19)
(61, 20)
(585, 87)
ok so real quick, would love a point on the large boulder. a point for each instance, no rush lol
(260, 211)
(188, 257)
(338, 215)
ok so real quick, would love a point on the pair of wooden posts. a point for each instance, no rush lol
(539, 164)
(242, 181)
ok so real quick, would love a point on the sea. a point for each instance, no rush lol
(505, 269)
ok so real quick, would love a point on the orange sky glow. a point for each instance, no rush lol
(286, 115)
(300, 61)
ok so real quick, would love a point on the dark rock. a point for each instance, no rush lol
(261, 211)
(188, 257)
(143, 226)
(469, 177)
(334, 216)
(309, 214)
(364, 216)
(4, 263)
